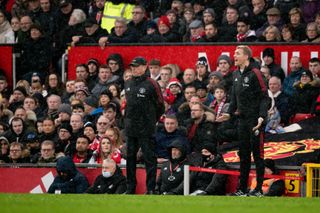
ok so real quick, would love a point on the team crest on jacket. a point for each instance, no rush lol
(246, 79)
(142, 90)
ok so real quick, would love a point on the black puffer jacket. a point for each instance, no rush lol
(304, 97)
(74, 182)
(170, 179)
(144, 107)
(115, 184)
(212, 183)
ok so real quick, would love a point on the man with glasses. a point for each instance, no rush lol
(144, 108)
(139, 22)
(47, 152)
(16, 153)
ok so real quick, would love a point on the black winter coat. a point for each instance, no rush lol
(75, 182)
(115, 184)
(144, 107)
(212, 183)
(304, 97)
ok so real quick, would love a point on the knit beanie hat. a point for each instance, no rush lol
(268, 52)
(174, 81)
(164, 20)
(202, 61)
(212, 148)
(226, 58)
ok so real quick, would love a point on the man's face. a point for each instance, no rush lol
(91, 30)
(99, 3)
(45, 5)
(165, 75)
(219, 94)
(105, 74)
(81, 73)
(207, 18)
(274, 85)
(17, 127)
(15, 152)
(25, 23)
(189, 92)
(258, 6)
(3, 85)
(175, 153)
(48, 126)
(137, 15)
(267, 60)
(196, 112)
(47, 151)
(170, 125)
(210, 31)
(102, 124)
(172, 18)
(314, 67)
(82, 145)
(194, 100)
(240, 58)
(76, 122)
(119, 28)
(110, 114)
(108, 167)
(189, 76)
(154, 70)
(114, 65)
(175, 89)
(64, 134)
(273, 19)
(295, 64)
(138, 70)
(224, 67)
(66, 9)
(53, 103)
(70, 86)
(21, 113)
(231, 16)
(242, 27)
(18, 96)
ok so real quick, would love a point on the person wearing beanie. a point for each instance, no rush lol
(208, 16)
(305, 94)
(174, 95)
(271, 186)
(224, 66)
(215, 78)
(152, 35)
(209, 183)
(170, 180)
(17, 98)
(268, 58)
(115, 62)
(64, 113)
(202, 69)
(165, 30)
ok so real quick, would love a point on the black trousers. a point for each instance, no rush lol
(147, 145)
(249, 142)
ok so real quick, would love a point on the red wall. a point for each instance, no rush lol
(6, 61)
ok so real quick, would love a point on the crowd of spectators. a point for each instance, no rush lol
(43, 118)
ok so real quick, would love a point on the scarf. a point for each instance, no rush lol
(218, 106)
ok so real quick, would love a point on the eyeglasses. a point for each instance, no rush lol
(15, 150)
(102, 123)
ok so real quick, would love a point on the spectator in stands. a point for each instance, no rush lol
(105, 77)
(200, 130)
(82, 152)
(170, 180)
(91, 33)
(54, 85)
(287, 33)
(259, 17)
(91, 109)
(186, 19)
(64, 114)
(215, 78)
(65, 144)
(295, 75)
(47, 17)
(49, 130)
(93, 66)
(102, 125)
(167, 34)
(47, 153)
(174, 20)
(196, 31)
(18, 154)
(82, 93)
(115, 135)
(268, 58)
(110, 112)
(89, 130)
(203, 183)
(168, 133)
(69, 91)
(202, 69)
(253, 107)
(245, 34)
(165, 74)
(211, 33)
(76, 122)
(53, 101)
(138, 129)
(15, 25)
(115, 62)
(209, 16)
(82, 72)
(111, 181)
(24, 32)
(17, 131)
(106, 150)
(198, 7)
(152, 35)
(273, 18)
(17, 98)
(314, 67)
(224, 65)
(154, 67)
(296, 21)
(69, 179)
(115, 90)
(317, 20)
(305, 93)
(105, 98)
(189, 76)
(4, 154)
(270, 34)
(228, 30)
(6, 32)
(312, 32)
(96, 10)
(271, 186)
(120, 34)
(139, 21)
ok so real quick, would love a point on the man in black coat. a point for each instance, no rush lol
(144, 107)
(204, 183)
(249, 100)
(69, 179)
(111, 181)
(170, 181)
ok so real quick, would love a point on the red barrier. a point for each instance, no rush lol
(186, 55)
(6, 58)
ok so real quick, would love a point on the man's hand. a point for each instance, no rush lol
(260, 121)
(102, 42)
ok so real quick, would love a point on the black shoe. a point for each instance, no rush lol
(239, 193)
(255, 193)
(150, 192)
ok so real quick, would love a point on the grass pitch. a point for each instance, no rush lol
(153, 204)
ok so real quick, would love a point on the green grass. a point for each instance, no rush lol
(153, 204)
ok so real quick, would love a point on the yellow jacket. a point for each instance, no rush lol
(113, 11)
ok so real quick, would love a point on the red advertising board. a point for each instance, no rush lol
(6, 58)
(186, 55)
